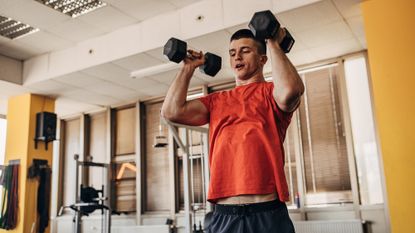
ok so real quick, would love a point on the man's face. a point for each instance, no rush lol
(245, 59)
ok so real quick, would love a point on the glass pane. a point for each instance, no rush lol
(125, 131)
(327, 177)
(156, 163)
(125, 181)
(3, 126)
(98, 146)
(365, 147)
(72, 133)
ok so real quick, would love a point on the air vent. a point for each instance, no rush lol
(73, 8)
(13, 29)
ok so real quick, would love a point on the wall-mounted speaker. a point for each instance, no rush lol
(45, 127)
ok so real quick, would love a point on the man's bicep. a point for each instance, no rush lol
(195, 113)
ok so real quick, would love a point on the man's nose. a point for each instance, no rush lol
(237, 56)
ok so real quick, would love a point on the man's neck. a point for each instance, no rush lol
(254, 79)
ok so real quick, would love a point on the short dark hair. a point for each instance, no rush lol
(246, 33)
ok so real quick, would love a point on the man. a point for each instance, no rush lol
(247, 130)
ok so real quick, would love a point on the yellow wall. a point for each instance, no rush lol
(390, 33)
(21, 123)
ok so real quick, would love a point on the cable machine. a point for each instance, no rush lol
(88, 199)
(193, 155)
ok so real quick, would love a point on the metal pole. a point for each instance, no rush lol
(188, 218)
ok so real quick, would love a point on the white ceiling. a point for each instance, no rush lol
(322, 30)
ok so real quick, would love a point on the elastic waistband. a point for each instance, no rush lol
(249, 208)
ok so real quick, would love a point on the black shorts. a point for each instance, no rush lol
(265, 217)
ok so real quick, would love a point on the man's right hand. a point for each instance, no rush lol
(194, 59)
(175, 107)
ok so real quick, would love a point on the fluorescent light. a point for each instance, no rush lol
(153, 70)
(73, 8)
(14, 29)
(308, 70)
(194, 96)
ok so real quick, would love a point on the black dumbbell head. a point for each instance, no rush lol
(288, 42)
(175, 50)
(213, 63)
(264, 25)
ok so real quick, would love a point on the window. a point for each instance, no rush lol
(124, 159)
(3, 131)
(98, 149)
(71, 147)
(156, 162)
(361, 116)
(326, 168)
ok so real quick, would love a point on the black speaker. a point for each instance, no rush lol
(45, 126)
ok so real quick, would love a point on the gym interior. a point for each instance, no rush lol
(83, 147)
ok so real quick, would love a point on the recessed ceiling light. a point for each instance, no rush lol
(14, 29)
(73, 8)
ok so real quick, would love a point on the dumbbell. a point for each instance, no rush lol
(176, 50)
(264, 25)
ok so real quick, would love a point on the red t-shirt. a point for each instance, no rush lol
(246, 135)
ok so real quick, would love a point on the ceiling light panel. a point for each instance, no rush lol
(73, 8)
(13, 29)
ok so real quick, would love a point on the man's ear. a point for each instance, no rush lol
(264, 59)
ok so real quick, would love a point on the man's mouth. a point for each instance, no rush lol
(239, 66)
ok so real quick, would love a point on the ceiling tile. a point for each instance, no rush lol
(156, 90)
(109, 72)
(107, 18)
(75, 30)
(165, 77)
(111, 89)
(301, 57)
(325, 34)
(336, 49)
(224, 74)
(66, 107)
(78, 79)
(216, 42)
(45, 41)
(348, 8)
(50, 87)
(144, 83)
(310, 16)
(182, 3)
(89, 97)
(142, 9)
(138, 61)
(158, 54)
(357, 26)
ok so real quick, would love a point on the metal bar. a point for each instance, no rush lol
(205, 150)
(138, 159)
(108, 176)
(310, 145)
(172, 174)
(202, 171)
(195, 128)
(191, 177)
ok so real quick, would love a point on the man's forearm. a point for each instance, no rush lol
(288, 86)
(177, 93)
